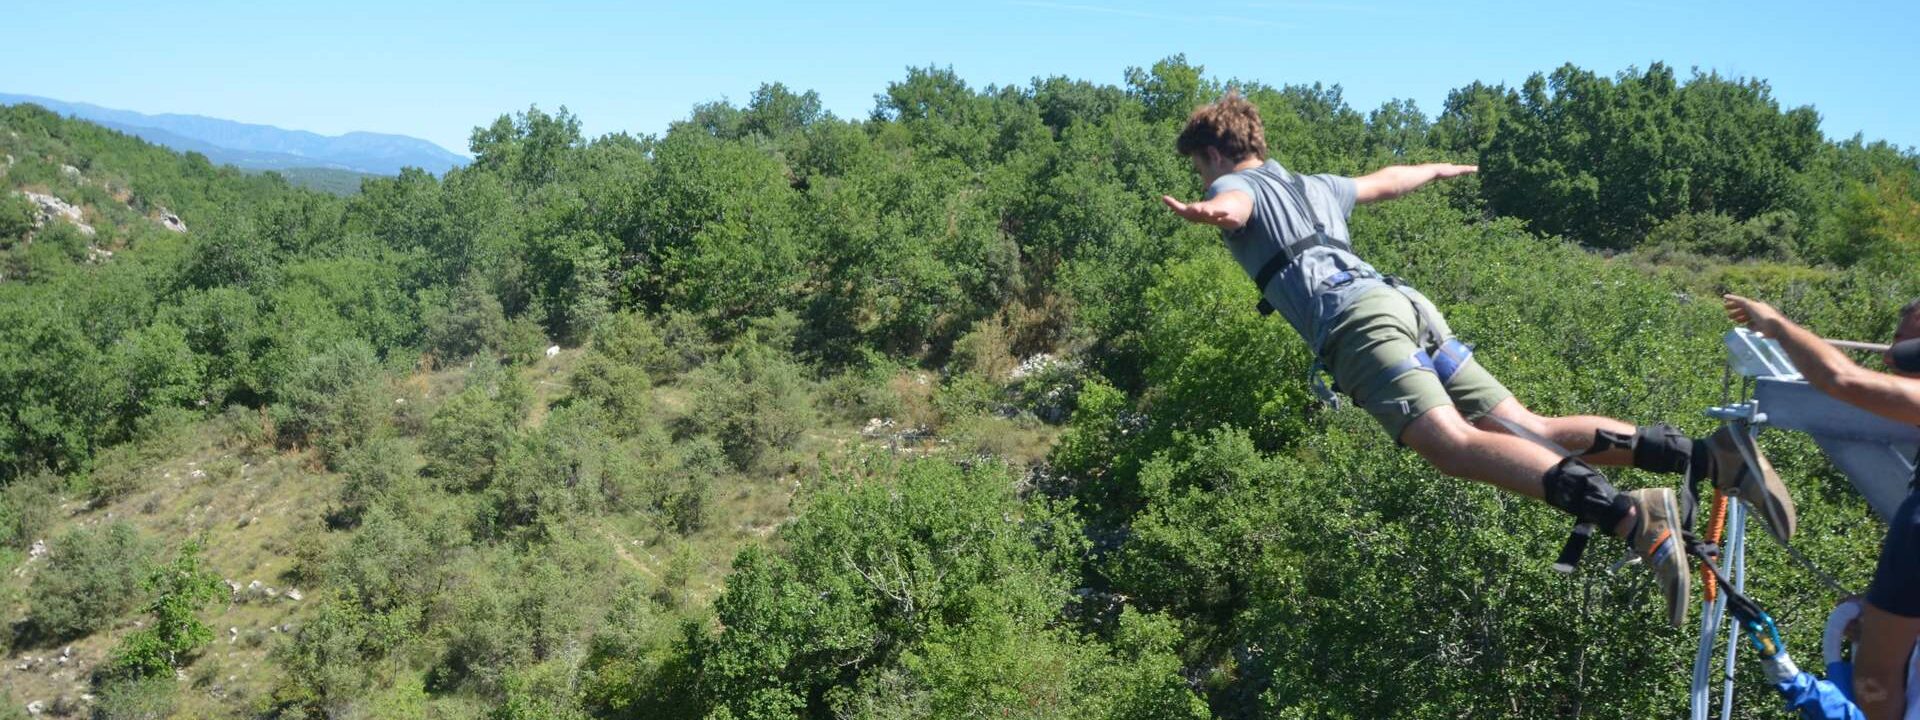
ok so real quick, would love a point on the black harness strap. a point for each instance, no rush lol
(1290, 251)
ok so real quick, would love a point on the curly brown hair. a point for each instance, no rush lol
(1230, 125)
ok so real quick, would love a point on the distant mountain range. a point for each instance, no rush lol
(262, 147)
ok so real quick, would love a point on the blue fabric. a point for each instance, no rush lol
(1453, 356)
(1896, 581)
(1841, 675)
(1818, 699)
(1420, 360)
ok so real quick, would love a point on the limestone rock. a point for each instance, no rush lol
(171, 221)
(52, 208)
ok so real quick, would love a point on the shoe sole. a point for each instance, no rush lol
(1665, 552)
(1760, 487)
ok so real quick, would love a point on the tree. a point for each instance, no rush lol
(181, 589)
(528, 149)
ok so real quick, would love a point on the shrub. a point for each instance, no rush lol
(118, 471)
(862, 392)
(547, 691)
(1766, 237)
(754, 402)
(17, 215)
(337, 657)
(141, 699)
(622, 388)
(465, 323)
(471, 429)
(181, 590)
(90, 579)
(524, 342)
(986, 350)
(688, 344)
(381, 471)
(629, 338)
(568, 466)
(968, 395)
(28, 508)
(333, 399)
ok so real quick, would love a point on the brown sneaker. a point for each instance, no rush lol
(1755, 483)
(1657, 541)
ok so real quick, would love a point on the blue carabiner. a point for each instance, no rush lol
(1764, 636)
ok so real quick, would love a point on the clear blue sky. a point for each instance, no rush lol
(437, 69)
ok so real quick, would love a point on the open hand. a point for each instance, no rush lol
(1196, 212)
(1447, 171)
(1753, 313)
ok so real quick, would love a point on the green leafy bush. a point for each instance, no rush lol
(28, 508)
(624, 390)
(334, 399)
(754, 401)
(90, 579)
(470, 431)
(138, 699)
(180, 589)
(17, 216)
(381, 471)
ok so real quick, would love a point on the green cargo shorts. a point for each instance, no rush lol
(1377, 332)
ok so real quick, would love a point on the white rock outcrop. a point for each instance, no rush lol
(171, 221)
(52, 208)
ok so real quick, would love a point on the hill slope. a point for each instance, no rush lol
(262, 147)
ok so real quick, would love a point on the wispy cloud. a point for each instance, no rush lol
(1303, 5)
(1145, 15)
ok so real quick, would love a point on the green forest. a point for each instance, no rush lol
(935, 412)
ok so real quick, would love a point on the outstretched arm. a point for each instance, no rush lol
(1889, 396)
(1393, 181)
(1228, 210)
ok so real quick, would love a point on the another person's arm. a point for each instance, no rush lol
(1828, 369)
(1880, 662)
(1393, 181)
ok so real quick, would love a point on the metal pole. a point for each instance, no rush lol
(1860, 346)
(1737, 556)
(1710, 615)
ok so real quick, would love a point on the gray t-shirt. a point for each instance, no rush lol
(1325, 276)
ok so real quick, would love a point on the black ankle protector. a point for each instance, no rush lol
(1662, 449)
(1574, 486)
(1604, 440)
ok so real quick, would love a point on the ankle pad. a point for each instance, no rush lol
(1604, 440)
(1574, 486)
(1662, 449)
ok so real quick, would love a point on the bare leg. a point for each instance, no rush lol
(1880, 662)
(1574, 433)
(1459, 449)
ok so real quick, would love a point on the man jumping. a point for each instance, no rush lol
(1392, 352)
